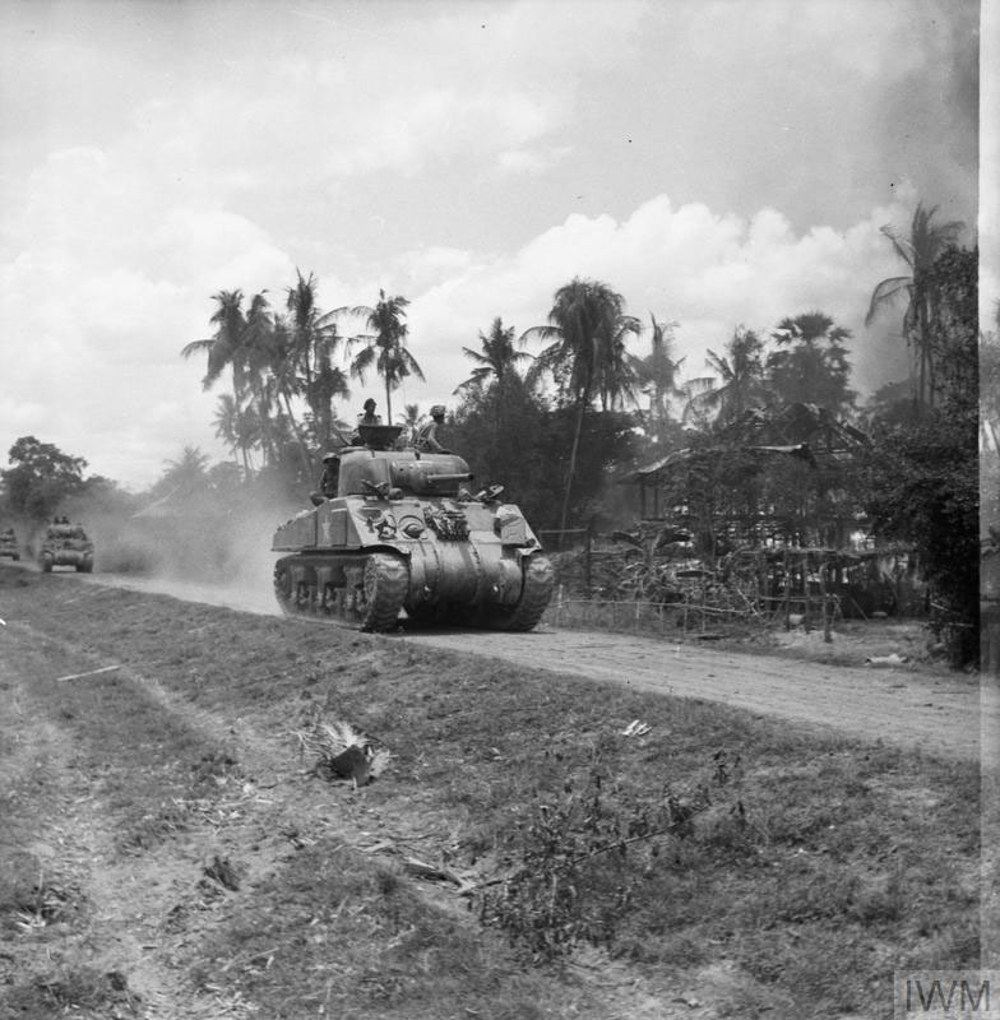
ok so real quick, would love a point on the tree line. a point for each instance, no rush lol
(289, 366)
(556, 410)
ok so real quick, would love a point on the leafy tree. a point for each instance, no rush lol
(989, 385)
(384, 348)
(923, 477)
(187, 475)
(919, 251)
(225, 480)
(891, 404)
(923, 485)
(495, 385)
(810, 365)
(536, 436)
(41, 477)
(587, 357)
(512, 459)
(737, 383)
(989, 422)
(953, 328)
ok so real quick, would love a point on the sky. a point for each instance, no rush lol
(716, 162)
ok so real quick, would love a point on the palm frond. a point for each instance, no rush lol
(884, 293)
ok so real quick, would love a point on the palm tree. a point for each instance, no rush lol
(657, 373)
(587, 357)
(493, 382)
(810, 365)
(188, 474)
(926, 242)
(281, 384)
(497, 359)
(736, 385)
(238, 428)
(240, 343)
(385, 345)
(412, 420)
(225, 348)
(313, 342)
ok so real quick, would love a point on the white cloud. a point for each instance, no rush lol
(709, 272)
(426, 148)
(531, 161)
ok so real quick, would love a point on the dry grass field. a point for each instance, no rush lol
(535, 845)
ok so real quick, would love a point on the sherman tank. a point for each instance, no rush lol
(405, 534)
(8, 544)
(66, 545)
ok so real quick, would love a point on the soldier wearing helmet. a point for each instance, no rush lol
(426, 440)
(367, 417)
(328, 483)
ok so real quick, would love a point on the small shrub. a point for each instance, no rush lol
(581, 861)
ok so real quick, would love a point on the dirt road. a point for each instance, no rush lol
(941, 713)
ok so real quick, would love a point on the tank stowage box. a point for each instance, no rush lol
(66, 545)
(405, 533)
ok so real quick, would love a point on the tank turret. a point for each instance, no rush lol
(407, 533)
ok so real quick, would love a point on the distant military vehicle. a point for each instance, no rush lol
(8, 544)
(66, 545)
(404, 532)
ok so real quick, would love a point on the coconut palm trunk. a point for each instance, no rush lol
(571, 470)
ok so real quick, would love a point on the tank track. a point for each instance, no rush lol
(386, 580)
(372, 604)
(536, 592)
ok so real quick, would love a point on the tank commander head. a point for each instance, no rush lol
(427, 434)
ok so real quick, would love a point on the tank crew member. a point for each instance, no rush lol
(328, 482)
(367, 417)
(426, 440)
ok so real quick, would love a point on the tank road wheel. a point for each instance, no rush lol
(535, 594)
(380, 596)
(283, 587)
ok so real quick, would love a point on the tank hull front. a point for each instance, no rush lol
(445, 561)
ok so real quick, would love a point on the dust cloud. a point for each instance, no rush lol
(198, 548)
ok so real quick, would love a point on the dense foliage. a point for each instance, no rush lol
(41, 478)
(923, 479)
